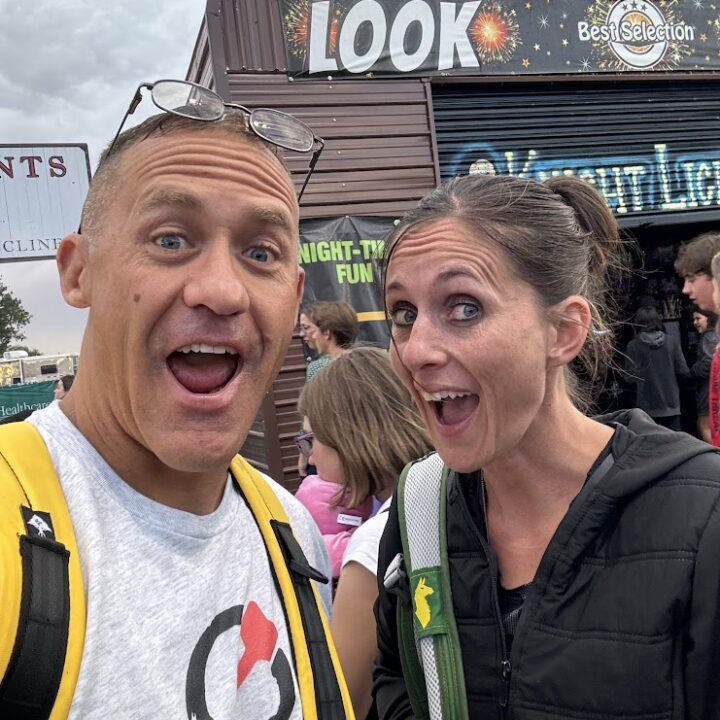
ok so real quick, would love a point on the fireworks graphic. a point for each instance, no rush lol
(297, 28)
(494, 33)
(606, 59)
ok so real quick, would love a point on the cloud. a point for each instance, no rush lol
(68, 69)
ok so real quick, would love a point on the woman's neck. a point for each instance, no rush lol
(537, 482)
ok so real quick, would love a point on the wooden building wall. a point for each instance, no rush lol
(379, 159)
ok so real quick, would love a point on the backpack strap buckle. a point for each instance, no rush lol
(396, 579)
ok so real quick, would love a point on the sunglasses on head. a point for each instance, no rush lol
(189, 100)
(304, 441)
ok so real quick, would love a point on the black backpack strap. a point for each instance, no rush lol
(33, 675)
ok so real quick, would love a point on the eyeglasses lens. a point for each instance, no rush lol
(304, 443)
(282, 129)
(188, 100)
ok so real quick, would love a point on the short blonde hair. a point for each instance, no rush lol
(359, 407)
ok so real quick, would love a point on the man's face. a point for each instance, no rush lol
(193, 285)
(699, 288)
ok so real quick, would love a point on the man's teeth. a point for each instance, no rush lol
(210, 349)
(440, 396)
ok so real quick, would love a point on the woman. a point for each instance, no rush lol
(365, 429)
(583, 570)
(654, 363)
(704, 322)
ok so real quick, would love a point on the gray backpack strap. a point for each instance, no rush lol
(422, 505)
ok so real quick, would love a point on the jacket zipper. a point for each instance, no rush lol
(505, 664)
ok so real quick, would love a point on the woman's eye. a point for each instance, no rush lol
(403, 316)
(260, 254)
(464, 311)
(171, 242)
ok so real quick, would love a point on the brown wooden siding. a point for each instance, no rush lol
(378, 157)
(201, 69)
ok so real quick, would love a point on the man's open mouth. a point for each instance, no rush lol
(204, 369)
(452, 407)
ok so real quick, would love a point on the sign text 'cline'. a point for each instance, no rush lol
(42, 189)
(439, 31)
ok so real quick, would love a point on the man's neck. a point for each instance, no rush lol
(199, 493)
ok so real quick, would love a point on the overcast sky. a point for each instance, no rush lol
(68, 69)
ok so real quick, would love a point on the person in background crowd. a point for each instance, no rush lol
(704, 322)
(714, 384)
(326, 502)
(583, 568)
(693, 263)
(63, 386)
(365, 430)
(654, 363)
(188, 261)
(329, 328)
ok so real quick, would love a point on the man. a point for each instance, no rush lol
(188, 263)
(329, 328)
(693, 264)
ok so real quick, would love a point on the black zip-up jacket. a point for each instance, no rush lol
(622, 621)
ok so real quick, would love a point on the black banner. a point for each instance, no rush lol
(339, 258)
(364, 38)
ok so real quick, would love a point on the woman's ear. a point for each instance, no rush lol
(572, 319)
(72, 263)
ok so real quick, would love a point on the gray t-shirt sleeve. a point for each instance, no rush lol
(309, 537)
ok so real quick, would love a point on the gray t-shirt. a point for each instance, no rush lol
(183, 618)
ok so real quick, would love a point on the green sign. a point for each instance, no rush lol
(31, 396)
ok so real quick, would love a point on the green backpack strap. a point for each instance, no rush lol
(428, 639)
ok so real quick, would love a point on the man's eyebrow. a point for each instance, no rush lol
(168, 197)
(274, 217)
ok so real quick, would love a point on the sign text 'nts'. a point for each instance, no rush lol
(30, 166)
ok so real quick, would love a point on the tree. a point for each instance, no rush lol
(13, 318)
(32, 352)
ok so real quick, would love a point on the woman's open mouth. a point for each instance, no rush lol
(451, 407)
(204, 369)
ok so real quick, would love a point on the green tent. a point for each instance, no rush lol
(30, 396)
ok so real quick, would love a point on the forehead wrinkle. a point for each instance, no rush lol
(163, 156)
(452, 243)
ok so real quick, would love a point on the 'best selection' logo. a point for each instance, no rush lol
(637, 33)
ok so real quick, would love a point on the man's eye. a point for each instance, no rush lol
(260, 254)
(171, 242)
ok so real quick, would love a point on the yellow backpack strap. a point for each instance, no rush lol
(42, 617)
(323, 693)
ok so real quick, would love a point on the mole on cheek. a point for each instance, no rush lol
(136, 297)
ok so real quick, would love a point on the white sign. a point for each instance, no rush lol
(42, 190)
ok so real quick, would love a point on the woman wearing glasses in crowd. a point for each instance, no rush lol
(365, 430)
(583, 552)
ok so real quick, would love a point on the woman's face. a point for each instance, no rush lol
(325, 459)
(471, 342)
(308, 331)
(700, 322)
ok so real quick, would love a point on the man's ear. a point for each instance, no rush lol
(572, 319)
(72, 263)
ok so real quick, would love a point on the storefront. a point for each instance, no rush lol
(407, 93)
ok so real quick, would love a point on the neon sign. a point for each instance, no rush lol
(660, 181)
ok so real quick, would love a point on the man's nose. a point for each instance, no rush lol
(217, 281)
(686, 287)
